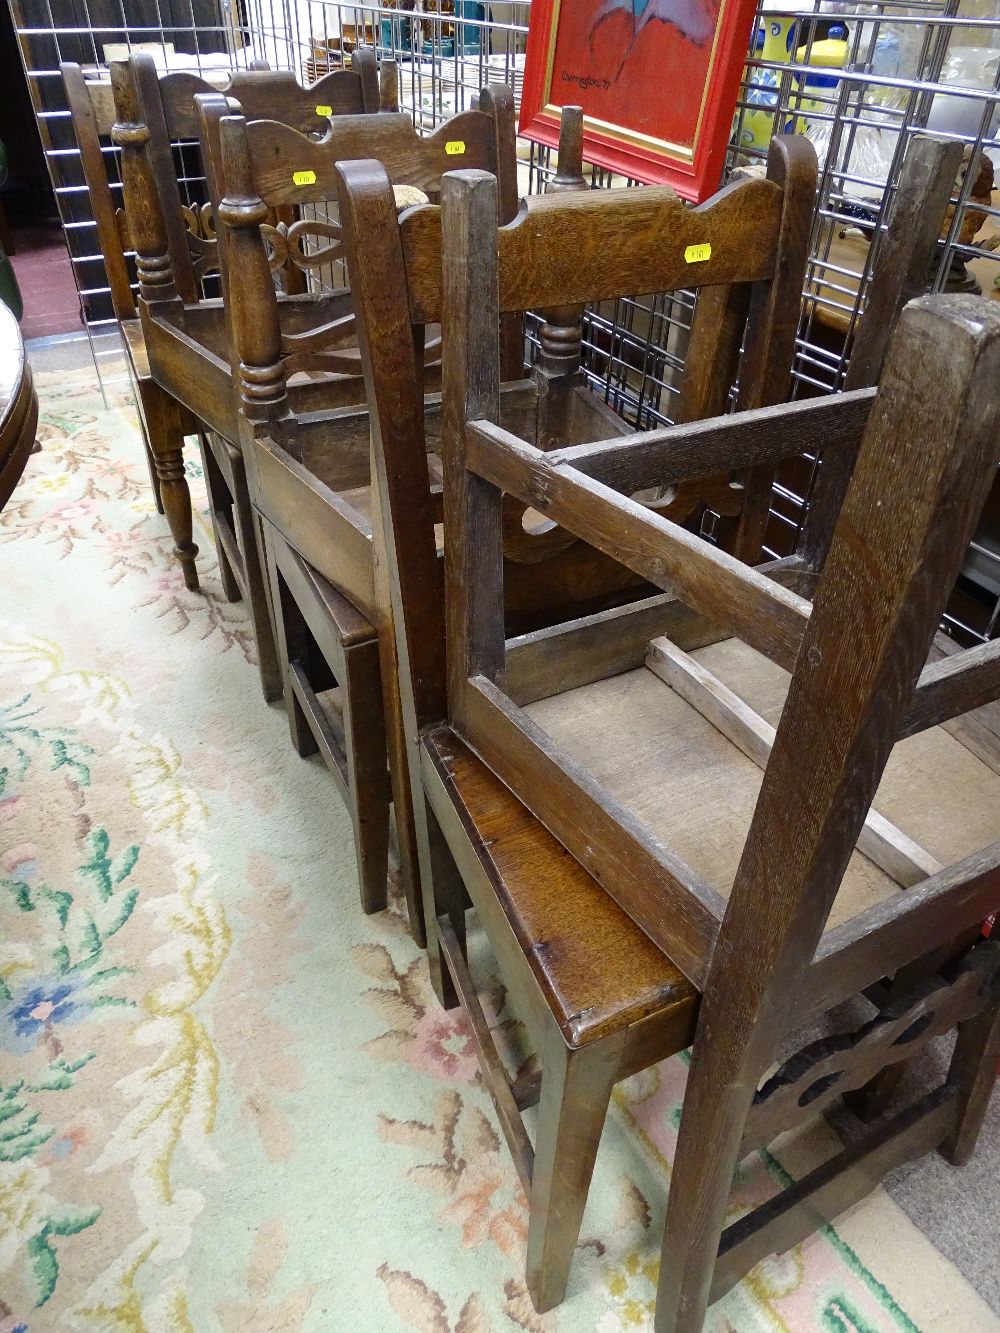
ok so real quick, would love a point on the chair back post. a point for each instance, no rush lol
(404, 534)
(773, 321)
(365, 66)
(145, 81)
(211, 108)
(905, 256)
(497, 100)
(254, 315)
(470, 386)
(142, 205)
(388, 86)
(95, 175)
(926, 464)
(560, 335)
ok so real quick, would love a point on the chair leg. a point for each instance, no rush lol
(220, 504)
(443, 895)
(716, 1105)
(162, 416)
(154, 480)
(253, 567)
(974, 1072)
(576, 1090)
(408, 832)
(290, 631)
(367, 771)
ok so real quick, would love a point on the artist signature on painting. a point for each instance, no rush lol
(585, 80)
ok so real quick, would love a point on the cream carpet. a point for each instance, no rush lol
(228, 1101)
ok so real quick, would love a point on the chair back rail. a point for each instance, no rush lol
(291, 169)
(278, 95)
(563, 248)
(573, 250)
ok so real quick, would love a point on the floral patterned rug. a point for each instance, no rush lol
(228, 1101)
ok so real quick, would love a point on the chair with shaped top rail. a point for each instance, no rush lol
(639, 881)
(298, 371)
(183, 333)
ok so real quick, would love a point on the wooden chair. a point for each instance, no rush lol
(277, 344)
(162, 419)
(185, 335)
(607, 949)
(638, 880)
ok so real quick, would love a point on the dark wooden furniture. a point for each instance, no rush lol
(18, 405)
(315, 445)
(184, 334)
(164, 422)
(651, 799)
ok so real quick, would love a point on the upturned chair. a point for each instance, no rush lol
(640, 882)
(309, 468)
(163, 421)
(185, 335)
(321, 502)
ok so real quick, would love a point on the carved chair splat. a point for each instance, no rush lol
(745, 916)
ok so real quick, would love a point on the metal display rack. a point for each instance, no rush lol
(906, 67)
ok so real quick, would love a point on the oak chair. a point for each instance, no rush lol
(599, 997)
(640, 882)
(185, 334)
(303, 449)
(163, 421)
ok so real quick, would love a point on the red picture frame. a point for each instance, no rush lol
(657, 80)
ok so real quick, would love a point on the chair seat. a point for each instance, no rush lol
(695, 791)
(596, 969)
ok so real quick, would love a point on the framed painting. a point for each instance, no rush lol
(657, 80)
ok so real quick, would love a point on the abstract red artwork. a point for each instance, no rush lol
(657, 80)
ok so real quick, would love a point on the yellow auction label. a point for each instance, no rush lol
(697, 254)
(303, 177)
(455, 147)
(324, 111)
